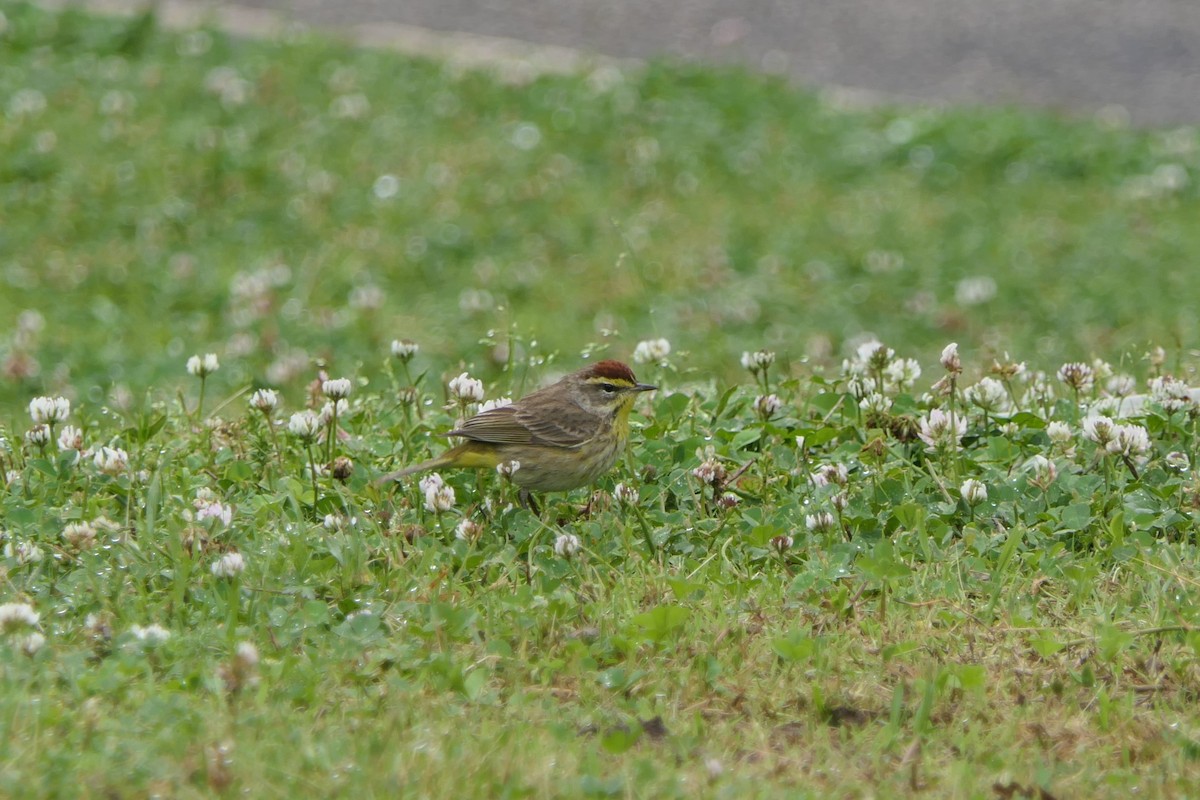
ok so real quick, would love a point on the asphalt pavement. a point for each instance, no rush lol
(1135, 59)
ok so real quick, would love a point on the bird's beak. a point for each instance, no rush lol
(644, 387)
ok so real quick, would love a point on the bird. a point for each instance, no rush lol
(561, 437)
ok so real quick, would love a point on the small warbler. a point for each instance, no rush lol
(563, 436)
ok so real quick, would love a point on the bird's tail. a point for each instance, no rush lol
(434, 463)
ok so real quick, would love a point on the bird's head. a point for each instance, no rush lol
(609, 387)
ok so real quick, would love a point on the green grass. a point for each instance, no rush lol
(705, 641)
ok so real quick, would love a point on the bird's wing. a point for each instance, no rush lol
(568, 426)
(497, 426)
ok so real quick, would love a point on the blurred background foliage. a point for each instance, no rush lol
(283, 201)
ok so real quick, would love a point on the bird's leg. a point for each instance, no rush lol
(526, 499)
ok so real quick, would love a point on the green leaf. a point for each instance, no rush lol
(825, 402)
(659, 623)
(474, 683)
(1112, 641)
(1045, 645)
(898, 650)
(744, 438)
(910, 515)
(1076, 517)
(819, 436)
(239, 472)
(794, 647)
(882, 563)
(591, 786)
(683, 589)
(620, 739)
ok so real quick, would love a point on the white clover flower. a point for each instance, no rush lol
(246, 654)
(767, 405)
(567, 545)
(468, 530)
(466, 389)
(940, 429)
(49, 409)
(231, 88)
(439, 499)
(625, 494)
(229, 565)
(499, 402)
(651, 351)
(819, 522)
(386, 187)
(506, 469)
(949, 358)
(729, 500)
(989, 395)
(27, 102)
(70, 438)
(203, 366)
(327, 411)
(38, 435)
(1172, 394)
(111, 460)
(209, 506)
(30, 643)
(901, 374)
(1100, 430)
(17, 618)
(757, 361)
(1038, 392)
(1043, 469)
(305, 425)
(1008, 369)
(874, 354)
(861, 385)
(1059, 432)
(404, 349)
(264, 400)
(23, 552)
(710, 472)
(875, 403)
(1128, 440)
(782, 542)
(1120, 385)
(368, 297)
(151, 634)
(431, 482)
(1077, 375)
(830, 474)
(336, 388)
(79, 535)
(1176, 460)
(974, 291)
(973, 492)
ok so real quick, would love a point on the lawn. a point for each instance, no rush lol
(837, 568)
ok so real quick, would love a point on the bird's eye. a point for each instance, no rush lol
(608, 388)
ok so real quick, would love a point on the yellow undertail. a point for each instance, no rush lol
(467, 454)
